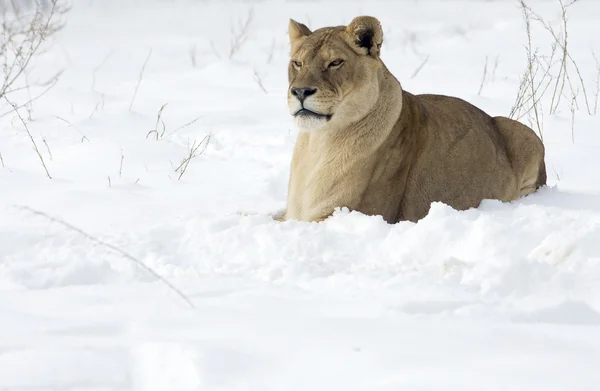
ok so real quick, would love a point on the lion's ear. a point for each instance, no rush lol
(297, 30)
(365, 32)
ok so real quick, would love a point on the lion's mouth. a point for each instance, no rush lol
(308, 113)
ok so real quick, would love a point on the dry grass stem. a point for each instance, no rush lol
(419, 68)
(35, 147)
(484, 76)
(239, 35)
(124, 254)
(193, 152)
(140, 78)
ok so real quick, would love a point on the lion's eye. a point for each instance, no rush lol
(297, 64)
(336, 63)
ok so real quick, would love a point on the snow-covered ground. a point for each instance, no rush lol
(503, 297)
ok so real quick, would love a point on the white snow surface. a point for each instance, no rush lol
(502, 297)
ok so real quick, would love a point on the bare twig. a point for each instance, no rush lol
(563, 76)
(531, 63)
(99, 105)
(240, 35)
(563, 64)
(573, 119)
(214, 49)
(160, 134)
(416, 72)
(124, 254)
(534, 105)
(47, 148)
(484, 76)
(83, 137)
(597, 87)
(140, 79)
(193, 151)
(556, 174)
(28, 106)
(193, 54)
(2, 160)
(271, 51)
(97, 68)
(21, 39)
(35, 147)
(51, 83)
(183, 126)
(520, 96)
(159, 120)
(496, 61)
(25, 39)
(121, 164)
(95, 110)
(258, 81)
(525, 102)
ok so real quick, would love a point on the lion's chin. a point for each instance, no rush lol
(306, 123)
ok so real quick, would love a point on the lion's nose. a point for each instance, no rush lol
(303, 93)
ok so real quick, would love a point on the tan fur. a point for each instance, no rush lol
(367, 145)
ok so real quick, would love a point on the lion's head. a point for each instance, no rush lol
(333, 72)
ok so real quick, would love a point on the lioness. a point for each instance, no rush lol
(367, 145)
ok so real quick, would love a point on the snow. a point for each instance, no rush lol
(505, 296)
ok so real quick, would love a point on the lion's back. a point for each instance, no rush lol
(463, 162)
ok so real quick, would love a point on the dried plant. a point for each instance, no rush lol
(35, 147)
(22, 38)
(258, 81)
(160, 128)
(140, 78)
(239, 34)
(193, 152)
(557, 73)
(419, 68)
(484, 76)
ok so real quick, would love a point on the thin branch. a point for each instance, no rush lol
(140, 79)
(121, 164)
(563, 75)
(258, 81)
(597, 87)
(35, 147)
(483, 77)
(496, 61)
(183, 126)
(193, 54)
(192, 153)
(83, 137)
(158, 121)
(240, 36)
(47, 148)
(573, 119)
(416, 72)
(98, 68)
(271, 51)
(111, 247)
(214, 49)
(531, 59)
(53, 82)
(35, 36)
